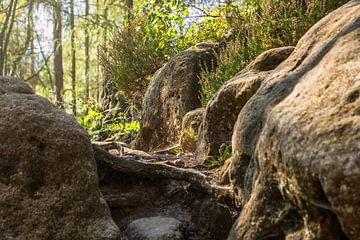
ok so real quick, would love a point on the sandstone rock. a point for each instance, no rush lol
(14, 85)
(110, 98)
(172, 93)
(223, 109)
(296, 142)
(111, 102)
(155, 228)
(189, 130)
(48, 181)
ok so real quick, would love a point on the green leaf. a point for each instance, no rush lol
(161, 45)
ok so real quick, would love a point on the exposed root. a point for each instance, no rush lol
(139, 166)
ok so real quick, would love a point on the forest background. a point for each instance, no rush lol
(68, 49)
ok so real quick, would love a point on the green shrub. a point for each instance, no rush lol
(259, 26)
(154, 33)
(225, 152)
(129, 59)
(90, 117)
(231, 61)
(158, 29)
(118, 128)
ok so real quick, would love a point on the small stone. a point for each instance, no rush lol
(155, 228)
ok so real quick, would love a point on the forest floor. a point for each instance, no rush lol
(136, 185)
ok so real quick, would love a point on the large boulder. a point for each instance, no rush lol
(296, 142)
(172, 93)
(48, 180)
(223, 109)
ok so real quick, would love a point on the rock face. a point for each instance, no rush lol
(189, 130)
(296, 142)
(223, 109)
(48, 181)
(172, 93)
(110, 98)
(155, 228)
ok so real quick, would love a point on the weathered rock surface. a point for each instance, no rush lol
(189, 130)
(48, 182)
(155, 228)
(223, 109)
(111, 100)
(172, 93)
(296, 142)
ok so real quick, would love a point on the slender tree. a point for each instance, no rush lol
(35, 79)
(46, 63)
(5, 33)
(87, 56)
(100, 69)
(73, 57)
(129, 8)
(58, 61)
(28, 45)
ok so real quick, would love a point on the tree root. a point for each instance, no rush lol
(139, 166)
(124, 149)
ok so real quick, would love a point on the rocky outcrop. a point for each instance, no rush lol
(296, 142)
(48, 182)
(223, 109)
(155, 228)
(172, 93)
(110, 97)
(189, 130)
(112, 103)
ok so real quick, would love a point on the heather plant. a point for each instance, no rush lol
(259, 26)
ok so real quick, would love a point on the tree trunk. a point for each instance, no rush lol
(8, 34)
(58, 62)
(46, 62)
(73, 57)
(129, 8)
(87, 57)
(98, 67)
(29, 44)
(5, 33)
(35, 79)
